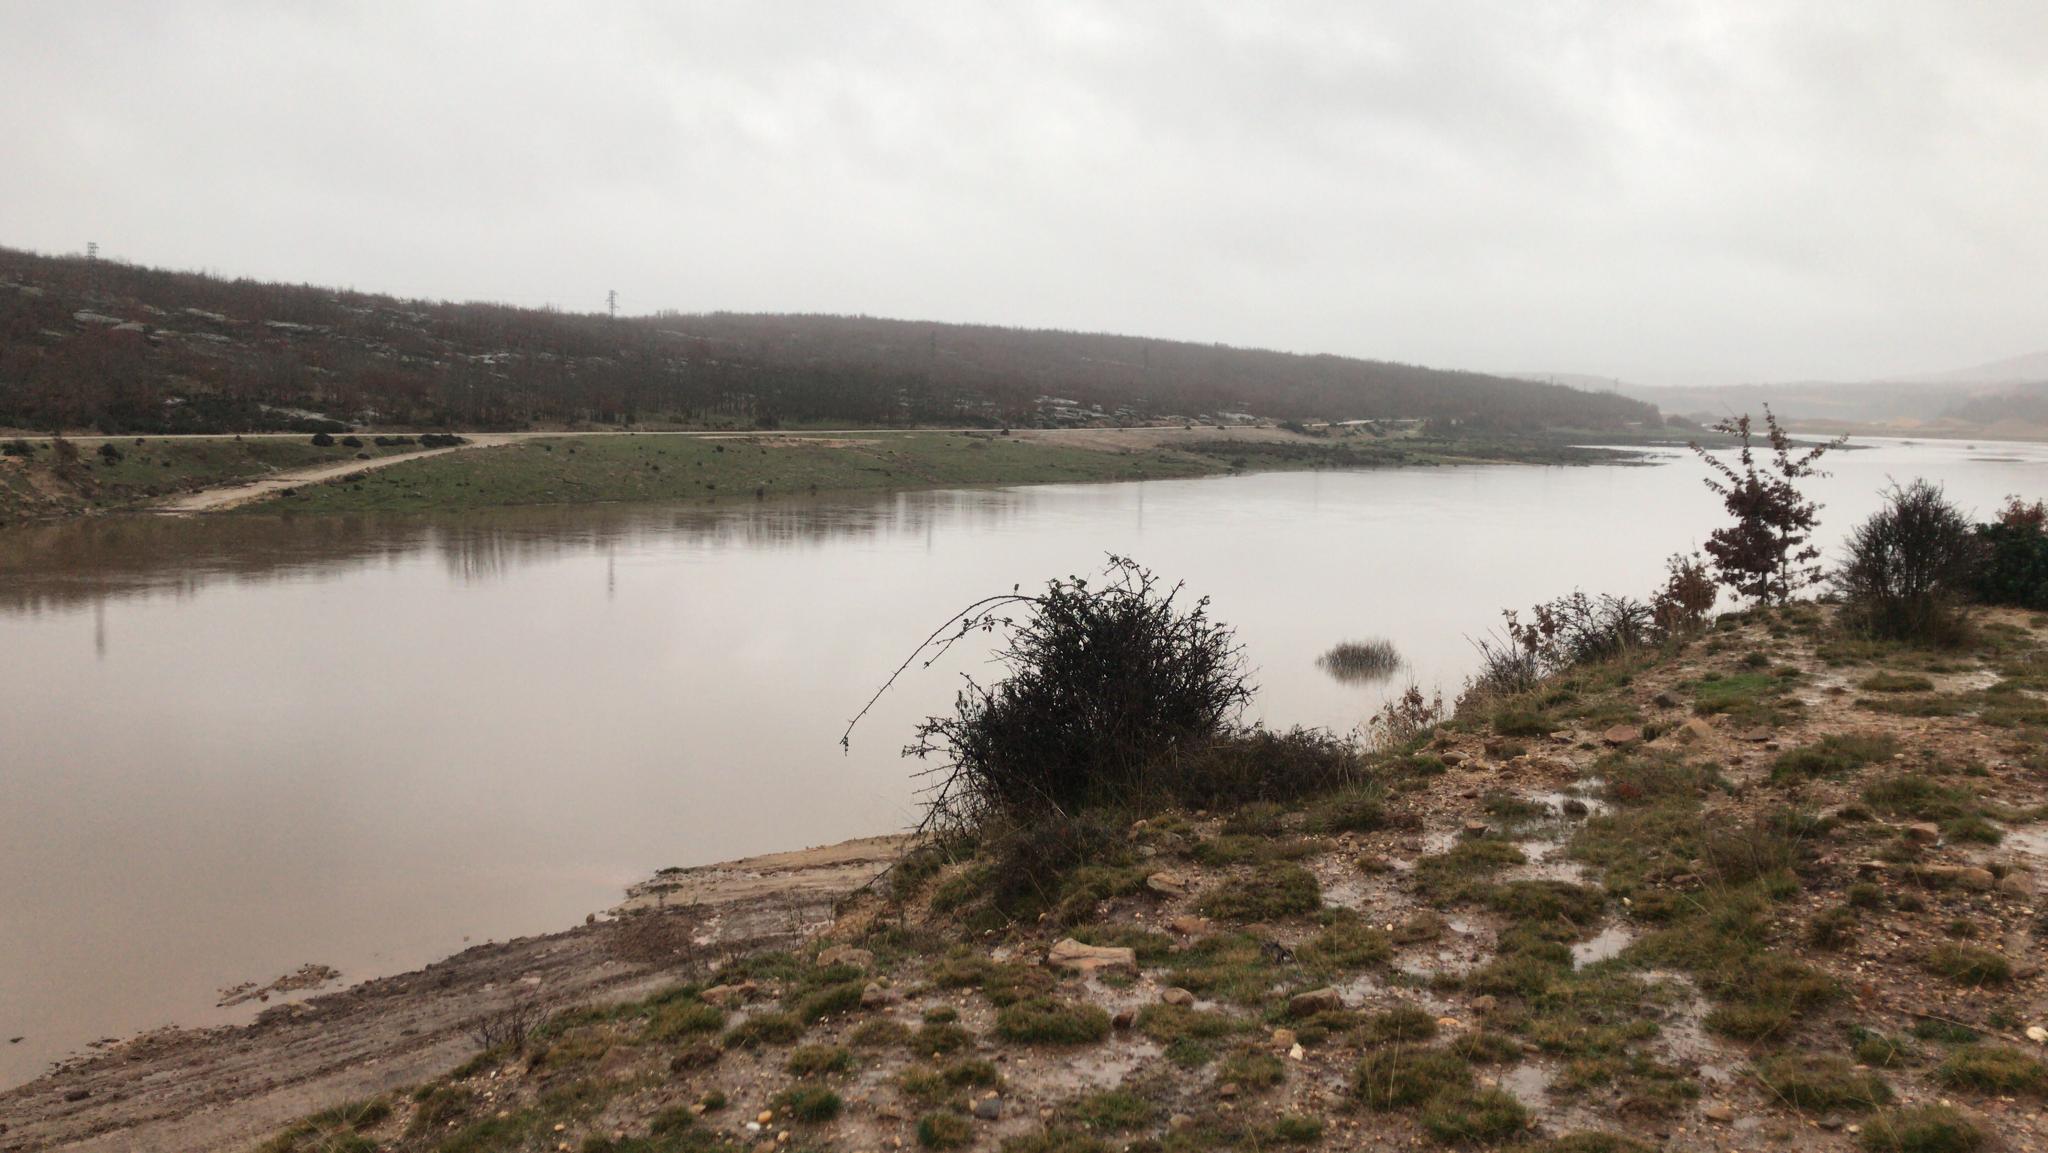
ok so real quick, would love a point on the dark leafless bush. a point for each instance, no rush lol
(1404, 719)
(1908, 567)
(1570, 630)
(1104, 685)
(507, 1029)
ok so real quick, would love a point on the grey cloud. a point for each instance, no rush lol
(1670, 191)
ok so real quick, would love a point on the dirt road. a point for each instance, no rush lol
(230, 496)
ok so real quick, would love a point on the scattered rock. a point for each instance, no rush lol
(1485, 1003)
(1167, 884)
(989, 1108)
(1227, 1089)
(1177, 996)
(1754, 736)
(1717, 1112)
(1124, 1019)
(1453, 759)
(1475, 829)
(2016, 885)
(1924, 832)
(1284, 1039)
(853, 955)
(1179, 1121)
(1574, 807)
(726, 995)
(1965, 876)
(1076, 957)
(875, 996)
(2037, 1035)
(1623, 735)
(1323, 1000)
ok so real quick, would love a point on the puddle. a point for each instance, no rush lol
(1609, 943)
(1555, 799)
(1683, 1037)
(1545, 865)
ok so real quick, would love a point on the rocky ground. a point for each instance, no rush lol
(1777, 888)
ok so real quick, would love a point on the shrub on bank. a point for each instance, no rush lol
(1908, 568)
(2012, 557)
(1110, 692)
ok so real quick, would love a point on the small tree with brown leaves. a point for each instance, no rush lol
(1767, 554)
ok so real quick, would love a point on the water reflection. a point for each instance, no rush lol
(59, 566)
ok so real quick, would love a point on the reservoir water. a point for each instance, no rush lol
(230, 747)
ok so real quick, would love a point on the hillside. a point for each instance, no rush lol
(131, 349)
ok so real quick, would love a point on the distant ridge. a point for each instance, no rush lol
(128, 348)
(2029, 369)
(2007, 396)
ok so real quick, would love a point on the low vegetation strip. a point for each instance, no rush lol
(660, 467)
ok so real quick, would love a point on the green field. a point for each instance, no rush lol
(653, 467)
(574, 468)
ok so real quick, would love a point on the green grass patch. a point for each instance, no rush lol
(1922, 1129)
(1833, 755)
(1047, 1021)
(1402, 1076)
(1474, 1116)
(1968, 965)
(1993, 1069)
(1451, 874)
(1820, 1082)
(944, 1131)
(1271, 892)
(811, 1104)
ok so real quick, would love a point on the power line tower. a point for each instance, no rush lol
(612, 301)
(92, 265)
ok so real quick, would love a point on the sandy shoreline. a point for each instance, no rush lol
(179, 1090)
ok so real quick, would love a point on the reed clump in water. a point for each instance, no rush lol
(1361, 661)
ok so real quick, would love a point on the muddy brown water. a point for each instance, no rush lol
(231, 747)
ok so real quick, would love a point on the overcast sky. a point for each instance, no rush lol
(1664, 192)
